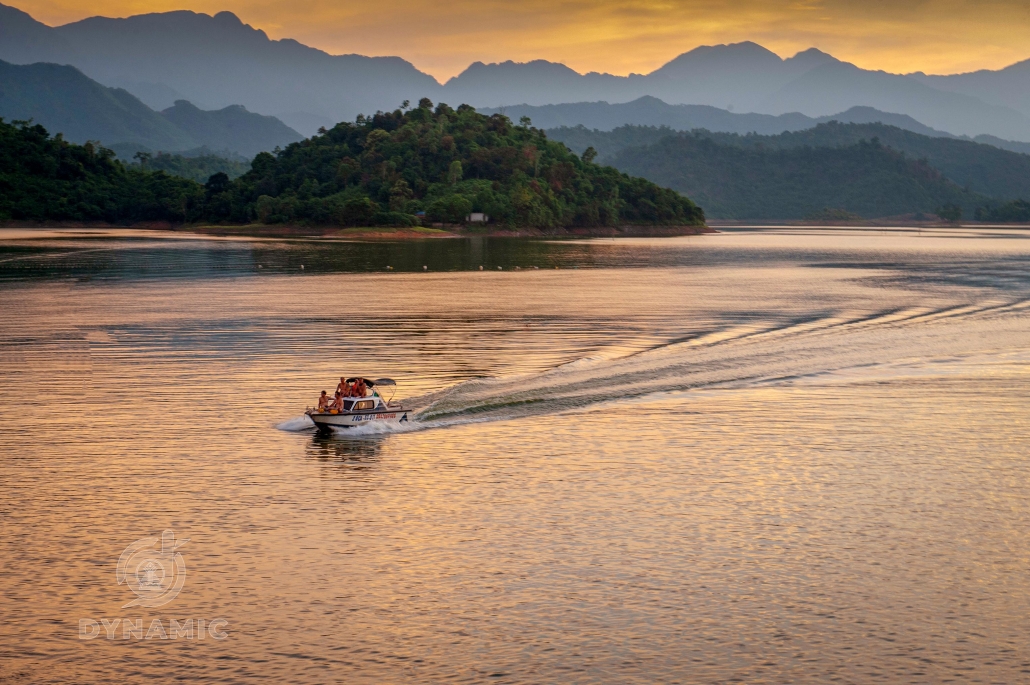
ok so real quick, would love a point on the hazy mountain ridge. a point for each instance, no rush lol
(866, 180)
(650, 111)
(980, 168)
(233, 127)
(66, 101)
(836, 87)
(746, 77)
(218, 61)
(1009, 87)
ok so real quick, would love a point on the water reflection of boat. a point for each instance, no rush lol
(372, 409)
(358, 453)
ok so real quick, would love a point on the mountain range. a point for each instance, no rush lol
(748, 182)
(832, 171)
(650, 111)
(217, 61)
(65, 101)
(981, 169)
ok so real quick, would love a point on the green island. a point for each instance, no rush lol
(413, 169)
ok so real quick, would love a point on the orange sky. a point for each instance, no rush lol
(618, 36)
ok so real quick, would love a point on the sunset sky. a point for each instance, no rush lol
(618, 36)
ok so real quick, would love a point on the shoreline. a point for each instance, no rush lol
(372, 233)
(884, 222)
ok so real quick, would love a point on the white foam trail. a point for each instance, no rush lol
(836, 342)
(841, 346)
(375, 429)
(296, 424)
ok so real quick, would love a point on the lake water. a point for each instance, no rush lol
(761, 456)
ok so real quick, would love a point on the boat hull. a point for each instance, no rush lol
(352, 419)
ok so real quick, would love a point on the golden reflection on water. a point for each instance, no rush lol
(817, 469)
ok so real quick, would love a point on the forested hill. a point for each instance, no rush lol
(981, 168)
(199, 168)
(446, 163)
(395, 168)
(867, 179)
(48, 178)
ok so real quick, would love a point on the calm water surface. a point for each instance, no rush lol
(771, 456)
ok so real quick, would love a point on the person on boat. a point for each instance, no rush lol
(359, 387)
(337, 402)
(323, 402)
(343, 388)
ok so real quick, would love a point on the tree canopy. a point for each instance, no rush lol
(990, 174)
(867, 179)
(392, 166)
(48, 178)
(197, 167)
(1017, 211)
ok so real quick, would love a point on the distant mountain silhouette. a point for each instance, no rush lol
(740, 76)
(232, 128)
(66, 101)
(980, 168)
(24, 40)
(650, 111)
(1022, 148)
(1008, 87)
(746, 77)
(835, 87)
(216, 61)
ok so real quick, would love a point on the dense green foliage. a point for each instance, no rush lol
(981, 168)
(199, 168)
(44, 178)
(752, 182)
(607, 143)
(378, 171)
(1017, 211)
(387, 168)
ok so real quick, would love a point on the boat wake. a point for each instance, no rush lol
(296, 425)
(835, 345)
(831, 347)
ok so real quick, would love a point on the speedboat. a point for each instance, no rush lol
(362, 411)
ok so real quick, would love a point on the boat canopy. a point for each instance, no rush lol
(372, 383)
